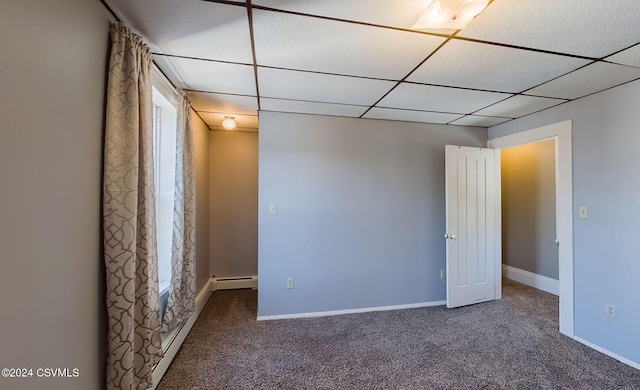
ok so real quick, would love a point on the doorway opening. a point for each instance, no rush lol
(561, 133)
(529, 243)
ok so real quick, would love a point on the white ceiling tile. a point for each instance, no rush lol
(496, 68)
(588, 80)
(302, 107)
(190, 28)
(286, 84)
(482, 121)
(592, 28)
(209, 76)
(518, 106)
(396, 13)
(629, 57)
(232, 104)
(440, 99)
(243, 121)
(410, 115)
(304, 43)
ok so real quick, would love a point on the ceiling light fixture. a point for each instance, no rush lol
(229, 123)
(449, 15)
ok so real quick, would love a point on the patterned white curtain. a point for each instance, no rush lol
(130, 250)
(181, 301)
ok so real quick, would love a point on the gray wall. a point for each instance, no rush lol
(52, 79)
(201, 150)
(606, 135)
(234, 203)
(529, 208)
(361, 211)
(52, 94)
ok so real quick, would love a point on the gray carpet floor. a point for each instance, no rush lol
(513, 343)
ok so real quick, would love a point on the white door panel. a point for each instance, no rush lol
(470, 203)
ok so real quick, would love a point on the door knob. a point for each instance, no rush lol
(450, 236)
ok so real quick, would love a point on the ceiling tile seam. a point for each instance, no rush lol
(406, 121)
(625, 65)
(540, 96)
(226, 2)
(201, 59)
(225, 113)
(563, 100)
(409, 74)
(315, 101)
(457, 119)
(620, 51)
(311, 113)
(218, 93)
(440, 112)
(532, 49)
(456, 87)
(484, 116)
(540, 110)
(561, 103)
(253, 50)
(327, 73)
(239, 127)
(237, 131)
(555, 78)
(602, 90)
(492, 104)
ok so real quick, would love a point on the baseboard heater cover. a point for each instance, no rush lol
(236, 282)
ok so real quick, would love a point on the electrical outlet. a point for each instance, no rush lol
(290, 283)
(611, 310)
(443, 274)
(583, 211)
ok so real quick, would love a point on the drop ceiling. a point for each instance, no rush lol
(360, 58)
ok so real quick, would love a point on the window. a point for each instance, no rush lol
(164, 136)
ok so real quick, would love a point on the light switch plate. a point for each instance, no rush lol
(273, 209)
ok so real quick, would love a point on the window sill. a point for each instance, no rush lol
(164, 287)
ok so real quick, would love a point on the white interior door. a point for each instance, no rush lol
(470, 201)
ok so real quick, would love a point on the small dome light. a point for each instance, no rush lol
(229, 123)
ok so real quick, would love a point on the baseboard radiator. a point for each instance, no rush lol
(172, 343)
(233, 283)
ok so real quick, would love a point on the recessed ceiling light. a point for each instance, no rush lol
(449, 15)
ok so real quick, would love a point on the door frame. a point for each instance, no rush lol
(561, 133)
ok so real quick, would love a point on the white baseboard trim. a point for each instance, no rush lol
(540, 282)
(233, 283)
(608, 353)
(350, 311)
(174, 340)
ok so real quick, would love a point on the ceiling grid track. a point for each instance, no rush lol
(407, 76)
(253, 50)
(341, 88)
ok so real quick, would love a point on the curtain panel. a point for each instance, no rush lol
(181, 301)
(130, 247)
